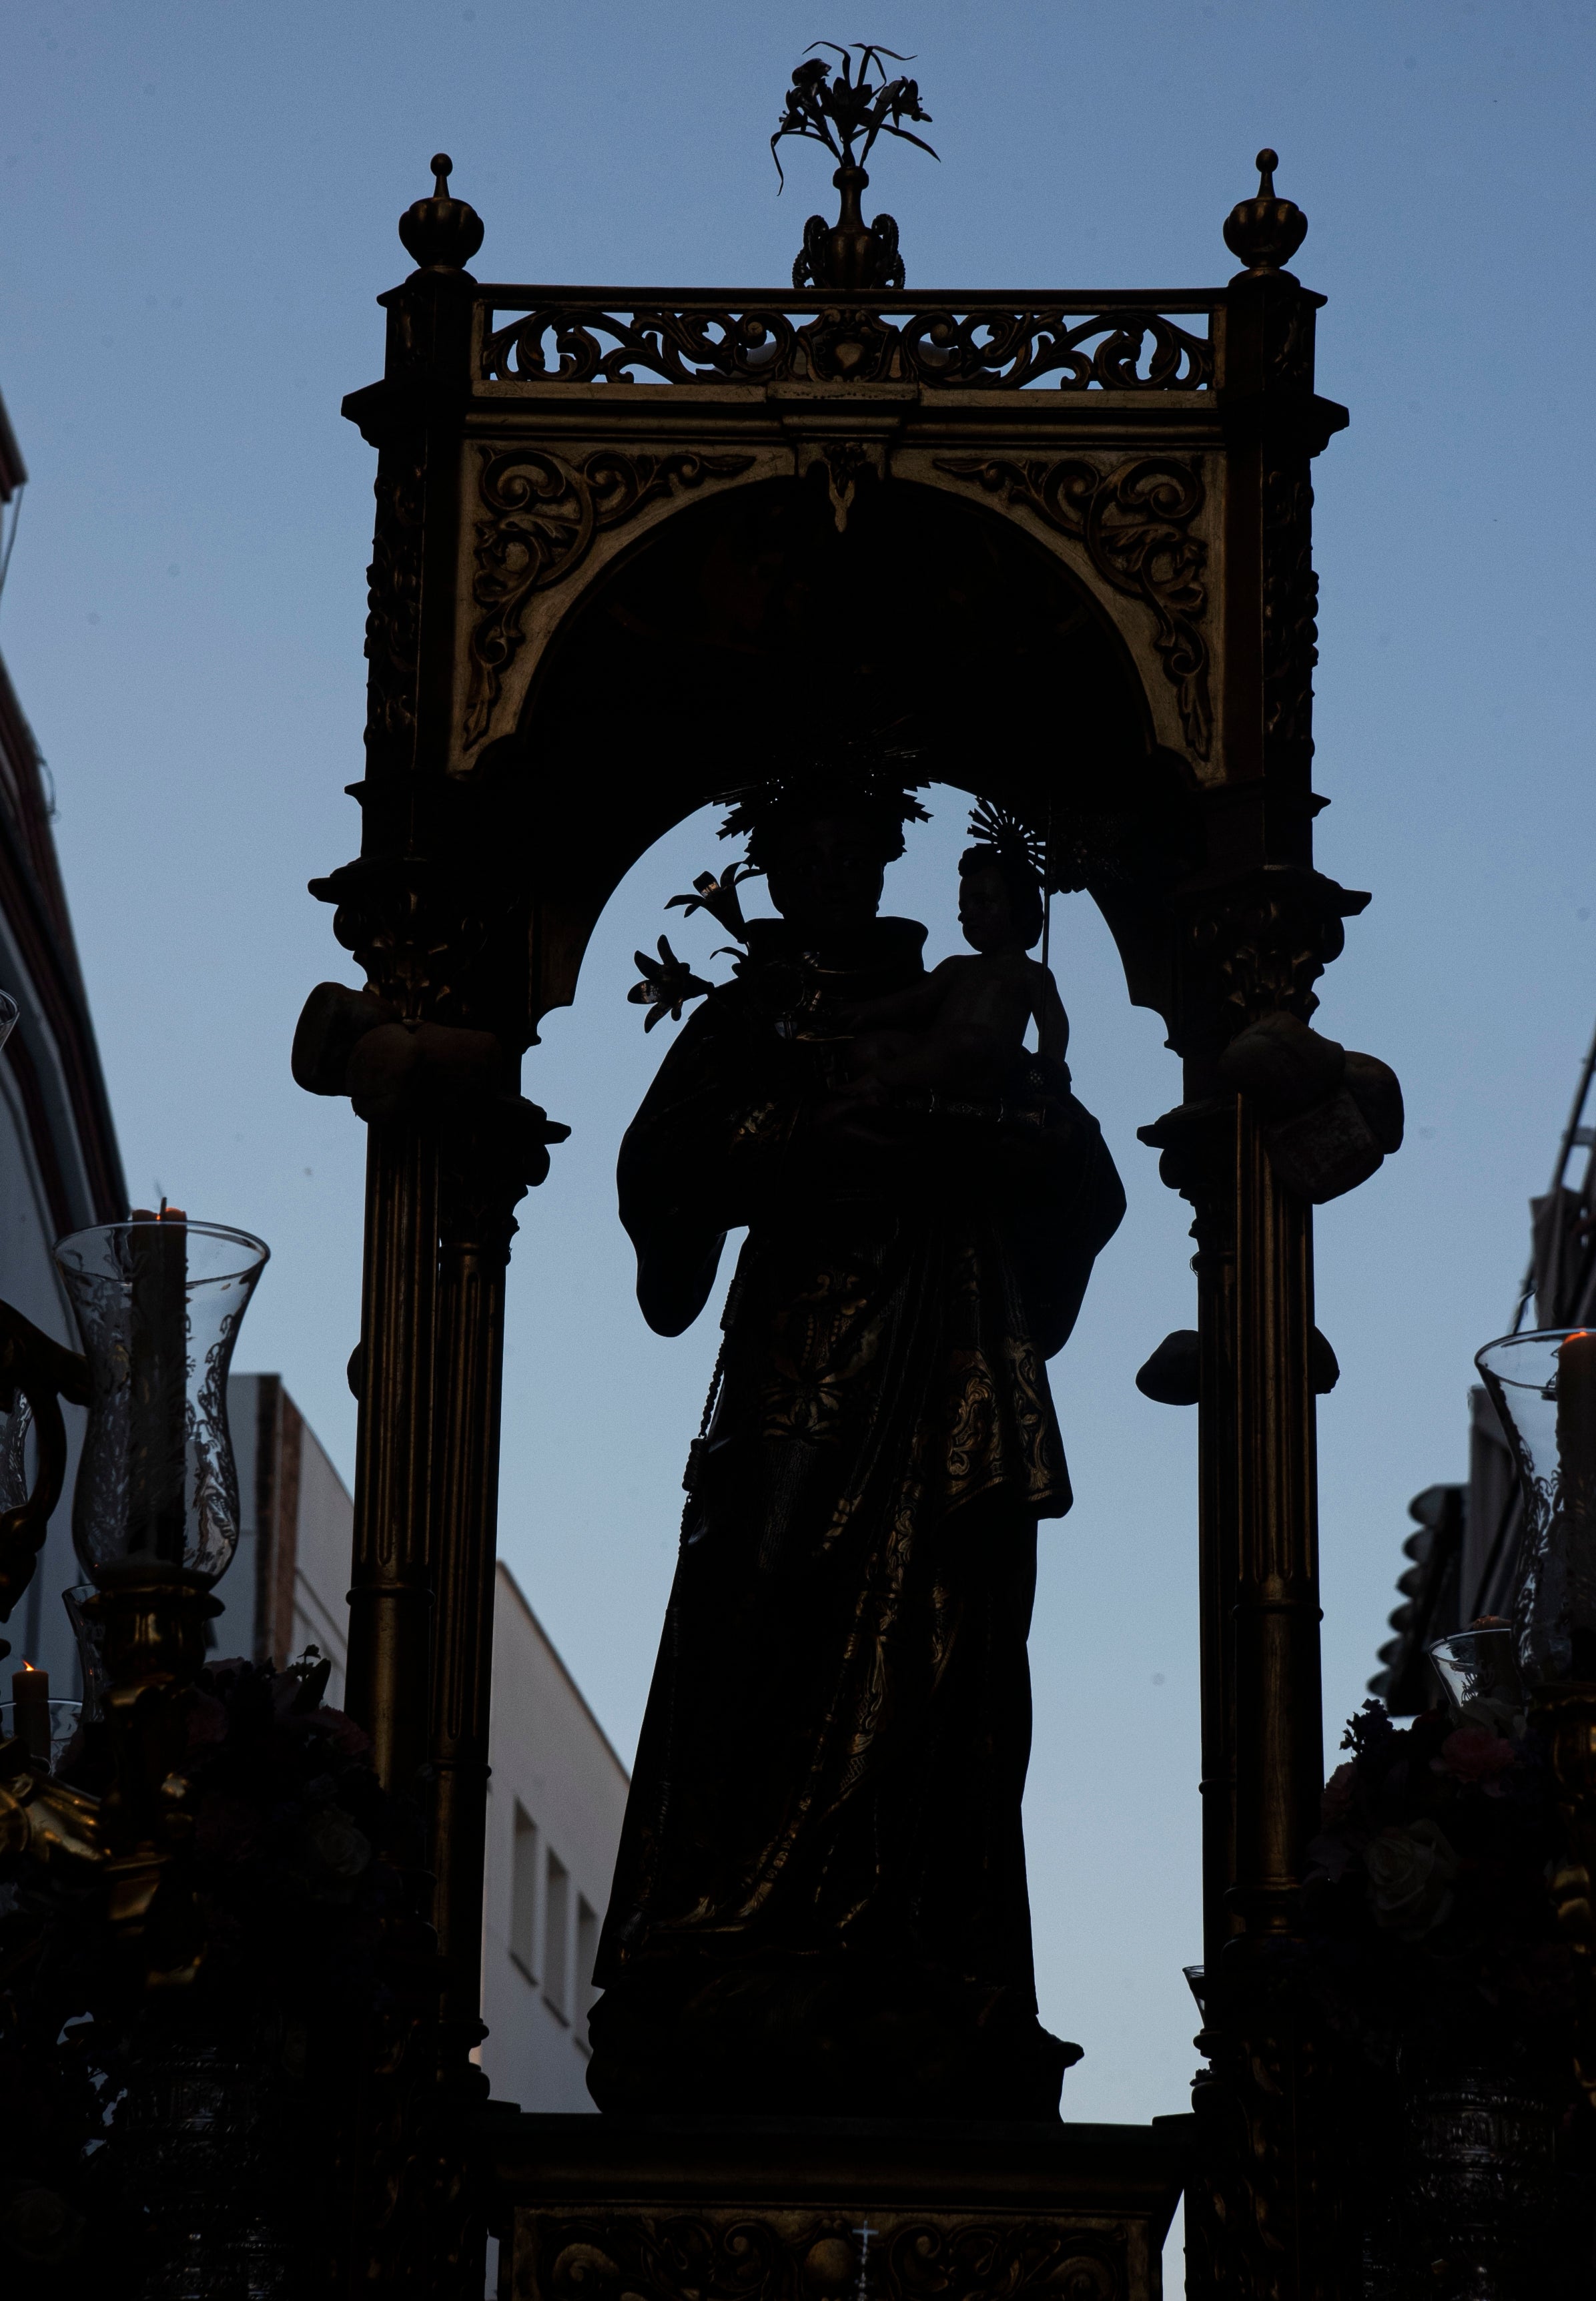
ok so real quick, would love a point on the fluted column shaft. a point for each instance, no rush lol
(390, 1598)
(470, 1376)
(1279, 1740)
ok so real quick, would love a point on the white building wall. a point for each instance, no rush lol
(39, 1630)
(233, 1631)
(321, 1561)
(298, 1499)
(557, 1791)
(59, 1170)
(555, 1807)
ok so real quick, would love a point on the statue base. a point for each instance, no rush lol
(833, 2209)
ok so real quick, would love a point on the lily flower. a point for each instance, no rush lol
(719, 897)
(665, 988)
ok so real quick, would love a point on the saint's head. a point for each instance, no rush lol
(1000, 902)
(823, 834)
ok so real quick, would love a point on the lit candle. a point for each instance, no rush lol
(158, 1433)
(1576, 1486)
(30, 1694)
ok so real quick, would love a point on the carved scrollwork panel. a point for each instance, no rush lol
(979, 347)
(1135, 521)
(540, 516)
(984, 350)
(1290, 598)
(1274, 2187)
(775, 2254)
(393, 609)
(1291, 352)
(968, 2261)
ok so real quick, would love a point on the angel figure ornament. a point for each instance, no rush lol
(820, 1902)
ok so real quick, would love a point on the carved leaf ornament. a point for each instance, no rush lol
(1135, 522)
(983, 348)
(540, 517)
(393, 603)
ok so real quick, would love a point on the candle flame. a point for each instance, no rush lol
(28, 1666)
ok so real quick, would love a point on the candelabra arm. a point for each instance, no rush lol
(48, 1820)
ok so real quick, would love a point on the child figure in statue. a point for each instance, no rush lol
(962, 1028)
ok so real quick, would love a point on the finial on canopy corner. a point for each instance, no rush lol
(1266, 232)
(441, 233)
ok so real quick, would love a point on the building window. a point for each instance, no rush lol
(587, 1951)
(556, 1936)
(523, 1894)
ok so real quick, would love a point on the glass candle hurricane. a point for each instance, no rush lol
(158, 1302)
(1543, 1387)
(90, 1636)
(15, 1423)
(1478, 1669)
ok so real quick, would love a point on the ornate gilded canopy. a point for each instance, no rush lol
(623, 537)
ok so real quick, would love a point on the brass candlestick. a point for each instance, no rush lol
(158, 1302)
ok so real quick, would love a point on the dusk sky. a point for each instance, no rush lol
(199, 210)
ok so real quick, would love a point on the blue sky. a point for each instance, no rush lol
(199, 204)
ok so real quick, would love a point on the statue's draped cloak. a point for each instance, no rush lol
(823, 1832)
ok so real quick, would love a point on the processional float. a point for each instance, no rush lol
(622, 535)
(1094, 507)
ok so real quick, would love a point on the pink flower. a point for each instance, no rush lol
(206, 1722)
(1474, 1754)
(346, 1736)
(226, 1829)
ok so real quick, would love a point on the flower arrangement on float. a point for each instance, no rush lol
(1448, 1904)
(1427, 1904)
(314, 1964)
(210, 1932)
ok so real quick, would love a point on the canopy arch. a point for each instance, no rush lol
(744, 621)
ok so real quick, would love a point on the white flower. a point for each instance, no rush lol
(341, 1849)
(1410, 1874)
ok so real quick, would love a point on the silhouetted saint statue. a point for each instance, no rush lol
(820, 1903)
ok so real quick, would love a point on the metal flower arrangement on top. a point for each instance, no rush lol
(830, 105)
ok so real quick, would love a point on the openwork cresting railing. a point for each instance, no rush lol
(977, 342)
